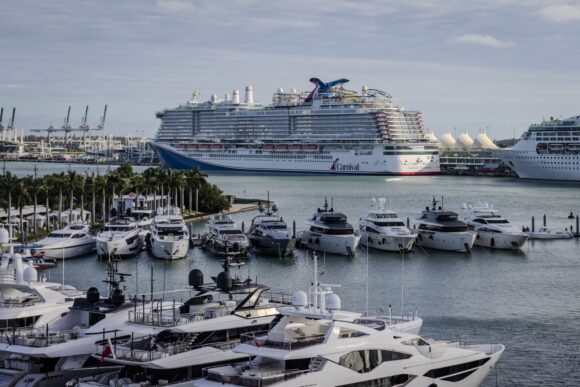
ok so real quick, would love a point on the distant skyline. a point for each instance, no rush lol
(471, 65)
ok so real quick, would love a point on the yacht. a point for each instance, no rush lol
(316, 344)
(383, 230)
(51, 355)
(442, 230)
(209, 326)
(269, 233)
(120, 238)
(169, 234)
(224, 238)
(72, 241)
(329, 232)
(27, 301)
(551, 233)
(493, 230)
(549, 150)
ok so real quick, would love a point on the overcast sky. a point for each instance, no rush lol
(466, 64)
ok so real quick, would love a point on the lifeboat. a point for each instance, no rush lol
(573, 147)
(203, 147)
(267, 147)
(556, 147)
(192, 146)
(310, 147)
(281, 147)
(541, 147)
(216, 146)
(181, 147)
(296, 147)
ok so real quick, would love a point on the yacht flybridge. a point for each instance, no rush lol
(493, 230)
(442, 230)
(328, 231)
(383, 230)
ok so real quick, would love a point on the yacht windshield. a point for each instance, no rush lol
(58, 235)
(390, 224)
(118, 228)
(231, 232)
(384, 216)
(497, 221)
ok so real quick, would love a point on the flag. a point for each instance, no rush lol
(106, 352)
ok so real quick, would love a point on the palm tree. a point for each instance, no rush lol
(71, 181)
(194, 180)
(90, 185)
(150, 176)
(34, 186)
(138, 184)
(176, 182)
(22, 198)
(8, 182)
(162, 177)
(101, 184)
(45, 187)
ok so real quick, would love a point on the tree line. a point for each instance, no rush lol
(94, 192)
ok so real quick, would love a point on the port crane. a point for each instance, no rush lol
(6, 130)
(67, 128)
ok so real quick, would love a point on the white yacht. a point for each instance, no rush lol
(209, 326)
(72, 241)
(169, 234)
(224, 238)
(383, 230)
(493, 230)
(442, 230)
(120, 238)
(329, 232)
(550, 233)
(50, 355)
(317, 344)
(269, 233)
(549, 150)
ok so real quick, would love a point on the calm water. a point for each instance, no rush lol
(527, 300)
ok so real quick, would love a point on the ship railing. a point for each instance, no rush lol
(260, 339)
(38, 337)
(18, 302)
(246, 376)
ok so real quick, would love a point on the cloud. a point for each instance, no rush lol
(561, 13)
(174, 5)
(481, 40)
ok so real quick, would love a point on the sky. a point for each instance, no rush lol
(494, 65)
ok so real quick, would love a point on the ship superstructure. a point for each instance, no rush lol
(327, 130)
(549, 150)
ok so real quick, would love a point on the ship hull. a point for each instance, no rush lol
(345, 162)
(528, 164)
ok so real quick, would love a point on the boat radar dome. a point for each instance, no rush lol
(280, 91)
(274, 208)
(299, 299)
(30, 274)
(93, 295)
(4, 236)
(196, 278)
(332, 302)
(224, 280)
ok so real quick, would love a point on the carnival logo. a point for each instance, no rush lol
(336, 166)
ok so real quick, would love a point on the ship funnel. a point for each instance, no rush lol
(236, 97)
(249, 95)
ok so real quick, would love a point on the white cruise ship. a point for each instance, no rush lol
(550, 150)
(328, 130)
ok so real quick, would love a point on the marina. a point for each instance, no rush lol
(459, 296)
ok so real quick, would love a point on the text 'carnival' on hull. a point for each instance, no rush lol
(329, 130)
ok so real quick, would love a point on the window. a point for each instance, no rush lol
(367, 360)
(382, 382)
(454, 369)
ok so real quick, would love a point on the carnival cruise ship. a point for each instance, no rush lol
(328, 130)
(550, 150)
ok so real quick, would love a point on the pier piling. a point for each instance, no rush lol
(408, 222)
(544, 220)
(533, 224)
(243, 227)
(577, 234)
(294, 227)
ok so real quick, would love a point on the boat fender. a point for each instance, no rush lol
(317, 241)
(492, 242)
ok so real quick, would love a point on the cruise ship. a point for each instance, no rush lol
(328, 130)
(550, 151)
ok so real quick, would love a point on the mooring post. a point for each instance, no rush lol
(533, 224)
(294, 227)
(408, 222)
(544, 220)
(577, 224)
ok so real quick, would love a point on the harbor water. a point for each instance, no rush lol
(527, 300)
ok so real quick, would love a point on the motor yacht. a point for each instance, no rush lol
(50, 355)
(120, 238)
(209, 326)
(169, 234)
(72, 241)
(493, 230)
(224, 238)
(383, 230)
(269, 233)
(328, 231)
(442, 230)
(315, 343)
(550, 233)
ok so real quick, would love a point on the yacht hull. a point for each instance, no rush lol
(282, 247)
(332, 244)
(388, 242)
(119, 247)
(494, 240)
(448, 241)
(169, 249)
(60, 252)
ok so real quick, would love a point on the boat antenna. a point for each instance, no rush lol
(402, 250)
(442, 202)
(325, 204)
(331, 203)
(367, 289)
